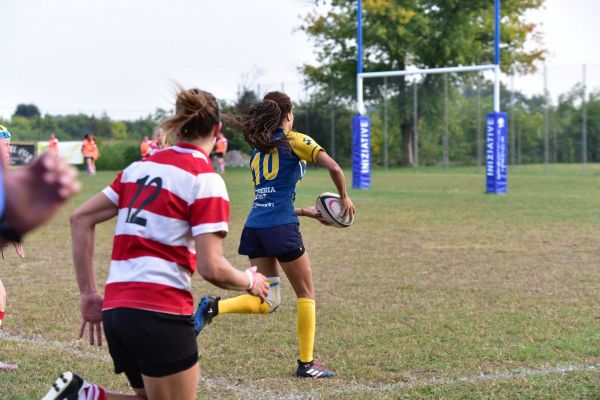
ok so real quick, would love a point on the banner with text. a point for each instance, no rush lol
(496, 153)
(361, 152)
(21, 153)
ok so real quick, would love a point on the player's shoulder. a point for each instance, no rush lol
(300, 139)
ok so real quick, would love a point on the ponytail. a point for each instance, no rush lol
(196, 113)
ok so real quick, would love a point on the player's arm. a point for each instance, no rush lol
(310, 212)
(216, 269)
(337, 176)
(83, 222)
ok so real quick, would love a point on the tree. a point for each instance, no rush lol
(27, 111)
(118, 130)
(422, 33)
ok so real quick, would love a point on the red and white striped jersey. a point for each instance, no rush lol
(164, 201)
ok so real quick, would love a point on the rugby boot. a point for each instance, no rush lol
(208, 308)
(312, 369)
(68, 386)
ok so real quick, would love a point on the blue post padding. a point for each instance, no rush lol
(361, 152)
(496, 152)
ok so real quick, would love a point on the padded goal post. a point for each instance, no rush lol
(496, 149)
(496, 122)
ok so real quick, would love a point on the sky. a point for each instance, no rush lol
(125, 57)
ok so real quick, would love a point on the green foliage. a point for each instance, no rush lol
(27, 111)
(117, 155)
(421, 33)
(118, 130)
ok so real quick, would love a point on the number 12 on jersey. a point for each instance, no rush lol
(142, 184)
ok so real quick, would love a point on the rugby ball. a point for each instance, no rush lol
(329, 205)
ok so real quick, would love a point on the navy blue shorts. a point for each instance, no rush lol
(271, 242)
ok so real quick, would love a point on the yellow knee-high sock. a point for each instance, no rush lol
(305, 327)
(244, 304)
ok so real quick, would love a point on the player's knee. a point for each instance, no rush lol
(274, 297)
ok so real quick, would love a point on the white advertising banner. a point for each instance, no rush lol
(70, 151)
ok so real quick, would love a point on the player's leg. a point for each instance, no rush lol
(251, 246)
(209, 306)
(221, 162)
(179, 386)
(249, 304)
(71, 386)
(2, 301)
(4, 366)
(88, 165)
(299, 273)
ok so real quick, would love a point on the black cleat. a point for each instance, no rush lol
(312, 369)
(66, 387)
(208, 308)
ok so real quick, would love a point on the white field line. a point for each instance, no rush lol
(248, 392)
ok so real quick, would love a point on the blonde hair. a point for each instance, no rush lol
(196, 113)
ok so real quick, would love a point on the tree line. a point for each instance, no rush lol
(397, 34)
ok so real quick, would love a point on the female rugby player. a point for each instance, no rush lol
(172, 214)
(271, 234)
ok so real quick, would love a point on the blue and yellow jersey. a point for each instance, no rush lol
(275, 176)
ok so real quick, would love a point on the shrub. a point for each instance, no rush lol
(117, 155)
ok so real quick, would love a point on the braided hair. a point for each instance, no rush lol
(263, 119)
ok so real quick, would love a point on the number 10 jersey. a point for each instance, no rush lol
(275, 176)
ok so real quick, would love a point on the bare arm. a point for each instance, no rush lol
(337, 176)
(216, 269)
(310, 212)
(83, 222)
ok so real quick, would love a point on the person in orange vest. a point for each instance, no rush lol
(144, 147)
(95, 154)
(89, 149)
(220, 150)
(53, 144)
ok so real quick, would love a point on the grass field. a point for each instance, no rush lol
(437, 291)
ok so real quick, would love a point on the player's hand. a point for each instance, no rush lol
(91, 313)
(260, 285)
(348, 209)
(312, 212)
(35, 192)
(19, 249)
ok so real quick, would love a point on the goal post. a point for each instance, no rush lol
(496, 154)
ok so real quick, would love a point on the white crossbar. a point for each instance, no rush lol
(470, 68)
(428, 71)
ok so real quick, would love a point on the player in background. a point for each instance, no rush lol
(159, 142)
(88, 149)
(95, 153)
(220, 150)
(172, 215)
(271, 234)
(53, 144)
(29, 196)
(144, 147)
(5, 138)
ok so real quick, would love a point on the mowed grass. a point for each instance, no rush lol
(437, 291)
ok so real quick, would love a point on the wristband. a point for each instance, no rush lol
(250, 279)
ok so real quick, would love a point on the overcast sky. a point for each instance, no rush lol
(124, 56)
